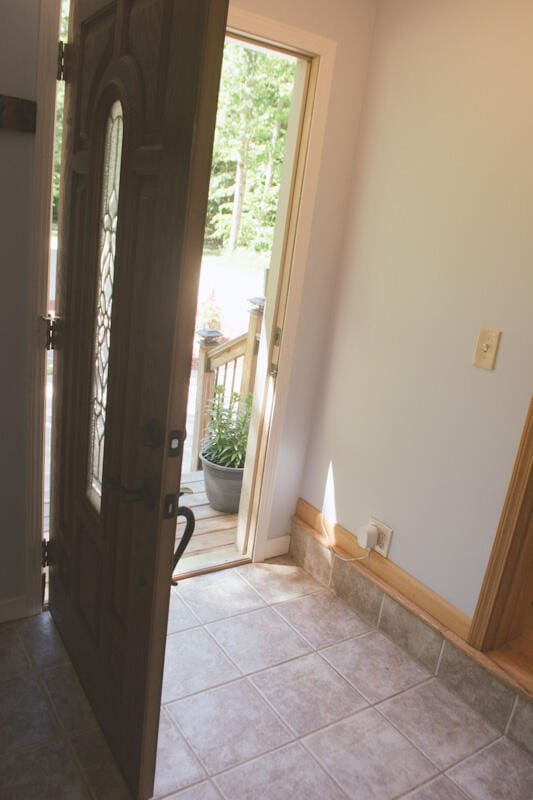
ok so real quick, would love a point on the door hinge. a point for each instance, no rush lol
(51, 331)
(277, 337)
(61, 52)
(45, 553)
(273, 370)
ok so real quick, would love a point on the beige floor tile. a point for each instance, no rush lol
(68, 698)
(193, 662)
(25, 718)
(180, 617)
(176, 765)
(258, 639)
(439, 723)
(279, 579)
(286, 774)
(13, 659)
(322, 618)
(307, 693)
(42, 773)
(99, 767)
(228, 725)
(202, 791)
(502, 771)
(439, 789)
(42, 640)
(369, 758)
(218, 595)
(375, 666)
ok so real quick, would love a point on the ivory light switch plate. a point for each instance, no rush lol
(486, 348)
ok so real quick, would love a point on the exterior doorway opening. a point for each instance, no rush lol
(243, 285)
(51, 295)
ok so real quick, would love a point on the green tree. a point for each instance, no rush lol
(60, 106)
(253, 113)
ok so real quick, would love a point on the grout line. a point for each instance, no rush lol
(322, 766)
(428, 782)
(380, 613)
(441, 654)
(284, 722)
(476, 752)
(256, 758)
(416, 685)
(407, 737)
(467, 794)
(201, 691)
(511, 715)
(330, 724)
(18, 751)
(61, 734)
(174, 724)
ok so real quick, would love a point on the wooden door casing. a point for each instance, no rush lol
(109, 581)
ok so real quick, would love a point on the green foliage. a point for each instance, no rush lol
(60, 105)
(253, 113)
(227, 433)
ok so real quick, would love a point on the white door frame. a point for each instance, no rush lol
(268, 421)
(43, 161)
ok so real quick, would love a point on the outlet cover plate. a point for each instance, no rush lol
(384, 537)
(486, 348)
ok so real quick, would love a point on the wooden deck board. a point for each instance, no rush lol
(213, 540)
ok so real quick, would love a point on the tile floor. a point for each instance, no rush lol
(274, 689)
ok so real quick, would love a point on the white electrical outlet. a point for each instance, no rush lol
(384, 537)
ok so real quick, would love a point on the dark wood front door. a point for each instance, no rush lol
(141, 89)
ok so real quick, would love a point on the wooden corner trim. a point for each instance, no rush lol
(511, 552)
(434, 610)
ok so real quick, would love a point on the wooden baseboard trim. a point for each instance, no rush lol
(394, 581)
(431, 609)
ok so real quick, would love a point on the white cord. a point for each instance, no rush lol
(331, 547)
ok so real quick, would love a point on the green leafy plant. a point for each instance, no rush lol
(227, 433)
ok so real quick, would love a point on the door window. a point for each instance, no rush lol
(104, 298)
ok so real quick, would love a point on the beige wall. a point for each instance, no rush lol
(19, 21)
(439, 242)
(349, 23)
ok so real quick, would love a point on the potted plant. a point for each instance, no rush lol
(224, 450)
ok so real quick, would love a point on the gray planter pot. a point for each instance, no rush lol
(222, 485)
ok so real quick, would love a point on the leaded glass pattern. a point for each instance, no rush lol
(104, 299)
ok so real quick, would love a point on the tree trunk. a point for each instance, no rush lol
(269, 173)
(238, 198)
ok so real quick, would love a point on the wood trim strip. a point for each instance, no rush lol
(511, 555)
(394, 581)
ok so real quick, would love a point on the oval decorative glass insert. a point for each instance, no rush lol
(104, 299)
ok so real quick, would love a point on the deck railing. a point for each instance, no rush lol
(230, 364)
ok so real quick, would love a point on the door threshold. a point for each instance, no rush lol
(213, 567)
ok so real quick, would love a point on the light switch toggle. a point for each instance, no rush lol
(486, 348)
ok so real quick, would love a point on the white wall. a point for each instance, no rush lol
(349, 23)
(19, 21)
(439, 242)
